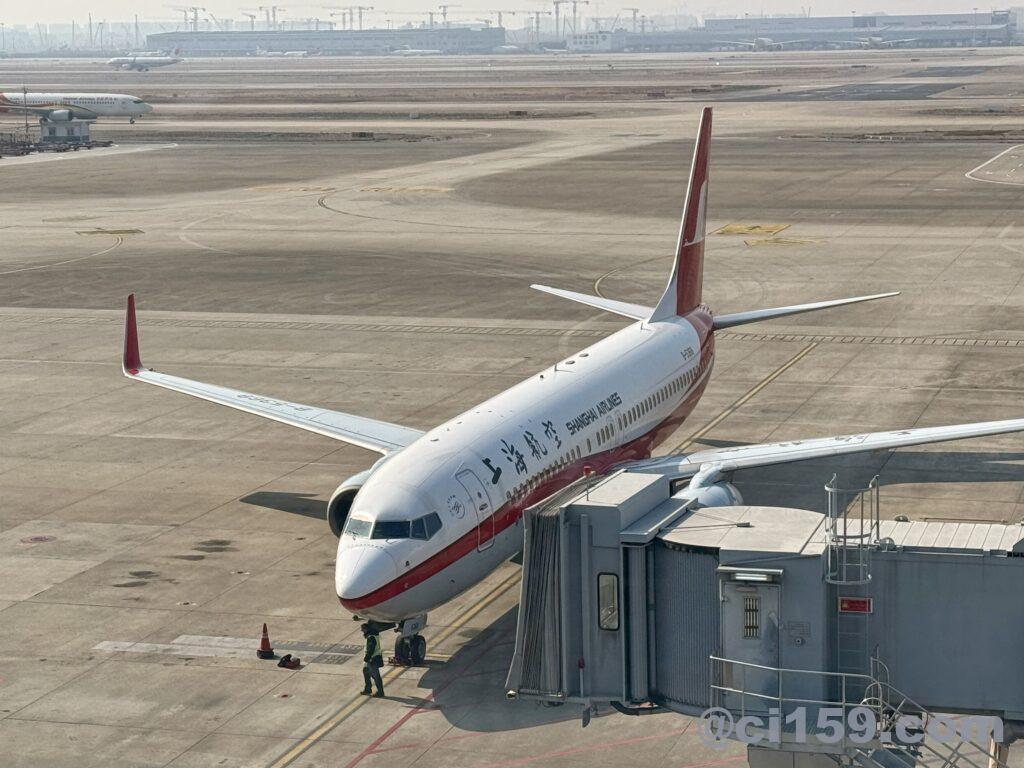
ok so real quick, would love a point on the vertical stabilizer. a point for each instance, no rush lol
(683, 292)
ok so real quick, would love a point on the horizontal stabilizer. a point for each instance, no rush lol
(634, 311)
(742, 318)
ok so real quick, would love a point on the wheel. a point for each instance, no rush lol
(132, 121)
(403, 651)
(418, 649)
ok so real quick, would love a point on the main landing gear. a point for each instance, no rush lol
(411, 646)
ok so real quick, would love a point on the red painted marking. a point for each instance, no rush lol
(509, 513)
(418, 709)
(588, 748)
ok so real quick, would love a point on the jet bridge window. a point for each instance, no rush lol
(608, 601)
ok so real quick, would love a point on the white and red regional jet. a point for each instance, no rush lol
(443, 508)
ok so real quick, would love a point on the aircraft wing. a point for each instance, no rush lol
(380, 436)
(744, 43)
(766, 454)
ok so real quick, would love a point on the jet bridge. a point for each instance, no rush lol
(640, 598)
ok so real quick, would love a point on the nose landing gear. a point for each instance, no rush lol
(411, 646)
(411, 651)
(131, 120)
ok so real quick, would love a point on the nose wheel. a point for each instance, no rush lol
(411, 650)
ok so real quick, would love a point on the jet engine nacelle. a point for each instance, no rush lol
(721, 494)
(59, 116)
(341, 501)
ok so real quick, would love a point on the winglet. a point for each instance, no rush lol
(131, 362)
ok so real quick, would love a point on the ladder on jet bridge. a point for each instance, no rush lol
(853, 530)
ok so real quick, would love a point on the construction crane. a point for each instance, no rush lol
(536, 21)
(360, 9)
(336, 11)
(252, 20)
(501, 15)
(574, 18)
(421, 14)
(444, 13)
(634, 11)
(271, 12)
(558, 7)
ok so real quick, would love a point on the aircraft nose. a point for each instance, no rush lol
(361, 570)
(147, 108)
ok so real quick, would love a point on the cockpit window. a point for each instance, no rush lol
(391, 529)
(432, 523)
(358, 527)
(419, 529)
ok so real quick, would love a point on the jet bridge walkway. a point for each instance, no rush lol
(640, 598)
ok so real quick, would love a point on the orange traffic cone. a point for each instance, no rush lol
(265, 651)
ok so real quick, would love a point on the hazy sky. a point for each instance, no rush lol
(13, 12)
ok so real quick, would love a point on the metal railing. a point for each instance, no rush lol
(895, 714)
(853, 527)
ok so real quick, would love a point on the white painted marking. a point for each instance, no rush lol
(172, 649)
(48, 157)
(970, 174)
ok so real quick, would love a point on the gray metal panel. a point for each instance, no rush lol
(536, 663)
(686, 624)
(636, 622)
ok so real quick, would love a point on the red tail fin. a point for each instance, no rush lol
(683, 292)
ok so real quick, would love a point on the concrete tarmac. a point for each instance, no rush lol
(145, 537)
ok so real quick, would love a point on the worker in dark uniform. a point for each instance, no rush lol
(373, 660)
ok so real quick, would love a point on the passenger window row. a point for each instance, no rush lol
(676, 386)
(549, 471)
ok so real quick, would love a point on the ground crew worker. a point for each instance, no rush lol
(373, 660)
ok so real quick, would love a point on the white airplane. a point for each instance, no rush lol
(143, 62)
(442, 509)
(282, 54)
(760, 43)
(405, 50)
(874, 42)
(62, 107)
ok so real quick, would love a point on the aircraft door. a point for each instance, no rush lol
(480, 503)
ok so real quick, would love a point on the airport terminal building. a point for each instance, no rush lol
(453, 40)
(958, 30)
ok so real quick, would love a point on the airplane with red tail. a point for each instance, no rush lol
(443, 508)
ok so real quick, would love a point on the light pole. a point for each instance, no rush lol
(974, 28)
(3, 37)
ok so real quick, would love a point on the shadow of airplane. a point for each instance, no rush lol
(469, 689)
(305, 504)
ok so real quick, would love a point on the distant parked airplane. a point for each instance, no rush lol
(405, 50)
(282, 54)
(143, 62)
(873, 42)
(62, 107)
(760, 43)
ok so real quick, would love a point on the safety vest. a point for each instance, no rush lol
(376, 647)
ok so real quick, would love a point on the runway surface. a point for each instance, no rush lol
(145, 537)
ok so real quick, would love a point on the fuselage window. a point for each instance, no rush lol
(391, 529)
